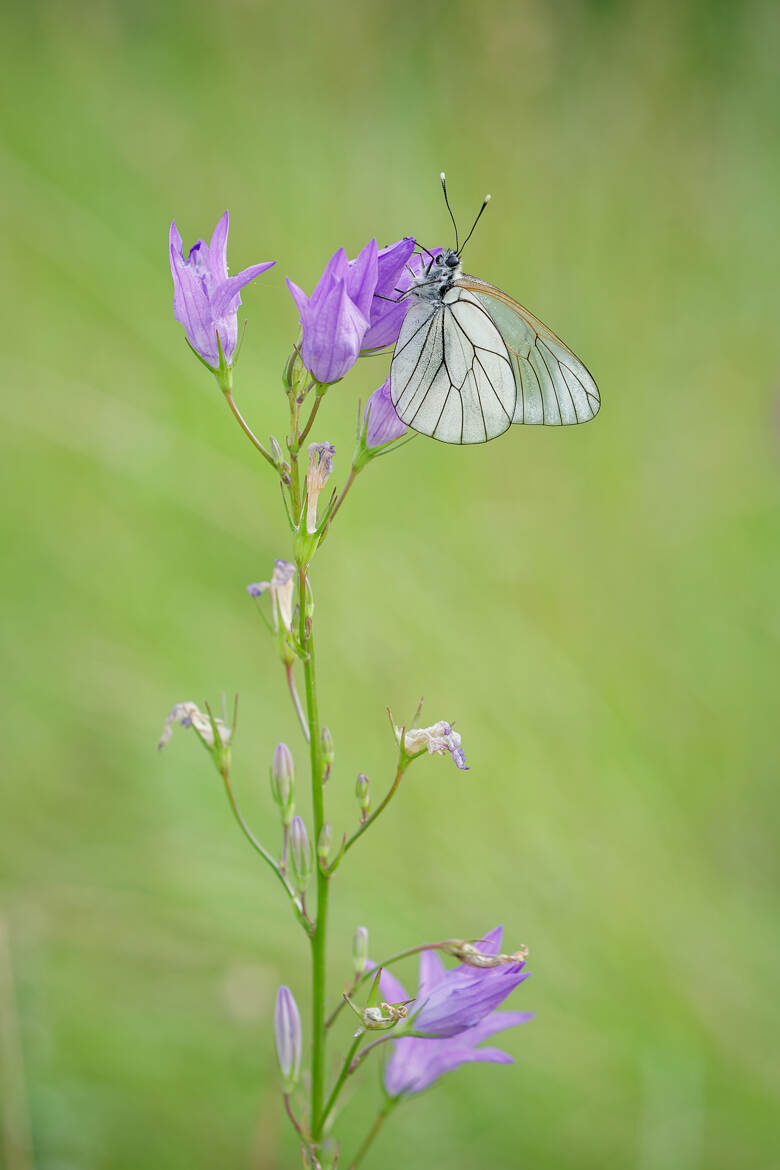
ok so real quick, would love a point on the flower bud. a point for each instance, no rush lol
(328, 749)
(293, 369)
(287, 1029)
(276, 451)
(301, 856)
(360, 950)
(324, 844)
(363, 794)
(283, 781)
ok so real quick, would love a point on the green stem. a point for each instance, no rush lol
(341, 1077)
(296, 701)
(245, 427)
(319, 935)
(266, 856)
(352, 477)
(309, 424)
(382, 1116)
(403, 764)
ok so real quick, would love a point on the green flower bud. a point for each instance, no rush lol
(363, 795)
(283, 781)
(293, 371)
(328, 749)
(301, 856)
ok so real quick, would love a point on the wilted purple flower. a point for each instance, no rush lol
(287, 1029)
(320, 467)
(205, 298)
(336, 316)
(459, 1006)
(438, 739)
(382, 423)
(188, 715)
(282, 586)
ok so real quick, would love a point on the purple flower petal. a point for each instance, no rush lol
(416, 1064)
(432, 972)
(361, 278)
(226, 299)
(218, 249)
(331, 344)
(464, 998)
(384, 425)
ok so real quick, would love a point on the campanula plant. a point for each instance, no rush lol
(357, 306)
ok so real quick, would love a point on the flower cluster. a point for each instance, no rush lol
(356, 307)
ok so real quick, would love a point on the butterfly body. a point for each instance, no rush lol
(470, 361)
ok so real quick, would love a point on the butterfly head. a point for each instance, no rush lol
(437, 276)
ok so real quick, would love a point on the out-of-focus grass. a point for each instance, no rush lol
(596, 607)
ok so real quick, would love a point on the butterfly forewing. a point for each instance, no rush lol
(553, 386)
(451, 376)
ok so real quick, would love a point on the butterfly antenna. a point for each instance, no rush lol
(476, 221)
(443, 178)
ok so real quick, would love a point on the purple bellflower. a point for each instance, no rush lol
(458, 1006)
(205, 298)
(336, 316)
(382, 423)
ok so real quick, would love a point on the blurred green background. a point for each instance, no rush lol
(596, 607)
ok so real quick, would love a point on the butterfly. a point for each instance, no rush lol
(470, 361)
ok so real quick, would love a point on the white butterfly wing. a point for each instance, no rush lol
(451, 375)
(553, 386)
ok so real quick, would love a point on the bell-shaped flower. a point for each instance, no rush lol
(205, 298)
(437, 740)
(381, 421)
(281, 587)
(459, 1007)
(336, 316)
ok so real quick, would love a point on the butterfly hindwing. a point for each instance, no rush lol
(451, 375)
(553, 385)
